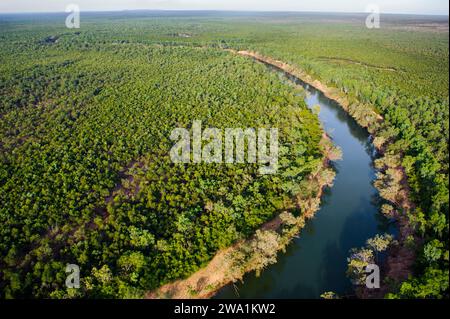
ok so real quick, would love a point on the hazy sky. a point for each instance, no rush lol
(388, 6)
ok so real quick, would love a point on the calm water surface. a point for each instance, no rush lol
(316, 262)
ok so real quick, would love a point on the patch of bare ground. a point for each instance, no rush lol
(203, 283)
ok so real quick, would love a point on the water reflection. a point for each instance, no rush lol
(316, 262)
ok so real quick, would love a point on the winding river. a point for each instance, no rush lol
(316, 261)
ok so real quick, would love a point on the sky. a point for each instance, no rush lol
(440, 7)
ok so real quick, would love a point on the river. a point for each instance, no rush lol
(316, 261)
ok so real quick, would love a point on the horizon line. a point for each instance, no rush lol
(236, 11)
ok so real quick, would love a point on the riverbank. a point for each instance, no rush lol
(331, 93)
(256, 253)
(222, 271)
(401, 257)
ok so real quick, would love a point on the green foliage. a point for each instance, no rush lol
(360, 258)
(432, 284)
(85, 173)
(84, 123)
(329, 295)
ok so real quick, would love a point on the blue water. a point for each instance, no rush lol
(316, 262)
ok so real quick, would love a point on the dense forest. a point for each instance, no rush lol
(85, 120)
(86, 175)
(403, 76)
